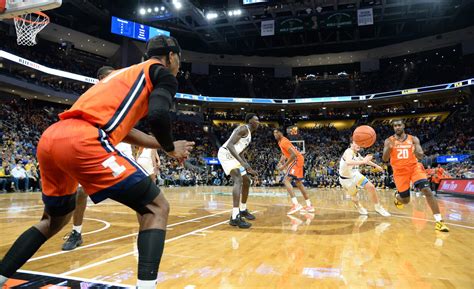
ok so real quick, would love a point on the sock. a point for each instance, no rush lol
(150, 245)
(77, 228)
(235, 212)
(294, 201)
(142, 284)
(438, 217)
(243, 206)
(3, 280)
(377, 205)
(308, 202)
(24, 247)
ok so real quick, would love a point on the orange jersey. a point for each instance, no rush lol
(285, 146)
(402, 154)
(117, 102)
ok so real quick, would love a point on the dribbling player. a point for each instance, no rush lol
(234, 164)
(404, 151)
(351, 179)
(81, 148)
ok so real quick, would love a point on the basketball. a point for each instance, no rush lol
(364, 136)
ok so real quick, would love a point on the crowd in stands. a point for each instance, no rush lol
(22, 122)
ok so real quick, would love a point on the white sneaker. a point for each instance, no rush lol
(294, 209)
(361, 209)
(379, 209)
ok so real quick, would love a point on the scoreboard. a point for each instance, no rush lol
(135, 30)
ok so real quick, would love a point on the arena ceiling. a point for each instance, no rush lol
(326, 26)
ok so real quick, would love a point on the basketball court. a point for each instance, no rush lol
(335, 248)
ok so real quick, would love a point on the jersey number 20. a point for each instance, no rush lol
(402, 153)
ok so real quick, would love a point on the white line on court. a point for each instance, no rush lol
(107, 225)
(134, 251)
(119, 238)
(75, 278)
(20, 208)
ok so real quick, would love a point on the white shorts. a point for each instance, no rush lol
(358, 180)
(229, 163)
(147, 165)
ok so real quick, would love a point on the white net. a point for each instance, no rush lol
(28, 26)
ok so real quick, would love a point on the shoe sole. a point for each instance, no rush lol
(77, 245)
(235, 225)
(292, 212)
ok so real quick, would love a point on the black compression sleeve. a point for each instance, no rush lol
(159, 104)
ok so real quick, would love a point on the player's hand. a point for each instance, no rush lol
(182, 148)
(367, 159)
(250, 170)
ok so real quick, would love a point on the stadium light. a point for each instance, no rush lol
(211, 15)
(162, 8)
(157, 9)
(177, 4)
(148, 10)
(142, 11)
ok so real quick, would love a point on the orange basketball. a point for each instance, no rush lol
(364, 136)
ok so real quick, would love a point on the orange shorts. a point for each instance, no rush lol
(295, 170)
(72, 151)
(409, 175)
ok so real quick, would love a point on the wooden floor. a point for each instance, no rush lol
(334, 248)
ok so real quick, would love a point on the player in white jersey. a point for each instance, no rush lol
(149, 160)
(234, 164)
(351, 179)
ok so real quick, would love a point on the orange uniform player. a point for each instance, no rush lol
(294, 170)
(404, 151)
(81, 148)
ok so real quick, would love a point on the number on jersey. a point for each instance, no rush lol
(402, 154)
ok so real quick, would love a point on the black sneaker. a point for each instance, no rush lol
(247, 215)
(74, 240)
(239, 222)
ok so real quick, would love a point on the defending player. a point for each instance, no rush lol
(351, 179)
(81, 148)
(230, 156)
(293, 167)
(404, 151)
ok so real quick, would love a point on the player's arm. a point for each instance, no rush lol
(141, 139)
(418, 150)
(160, 101)
(234, 138)
(386, 150)
(371, 163)
(348, 159)
(282, 159)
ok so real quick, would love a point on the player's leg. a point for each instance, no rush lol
(402, 183)
(244, 212)
(295, 207)
(236, 218)
(420, 181)
(59, 198)
(370, 188)
(74, 239)
(298, 173)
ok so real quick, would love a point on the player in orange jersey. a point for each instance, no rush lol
(80, 147)
(294, 170)
(404, 151)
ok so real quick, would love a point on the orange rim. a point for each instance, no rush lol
(45, 21)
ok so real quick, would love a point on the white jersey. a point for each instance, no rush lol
(243, 143)
(346, 170)
(145, 160)
(125, 148)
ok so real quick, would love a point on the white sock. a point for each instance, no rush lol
(77, 228)
(308, 202)
(438, 217)
(3, 280)
(377, 205)
(294, 201)
(243, 206)
(235, 212)
(146, 284)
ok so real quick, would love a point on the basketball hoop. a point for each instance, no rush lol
(28, 26)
